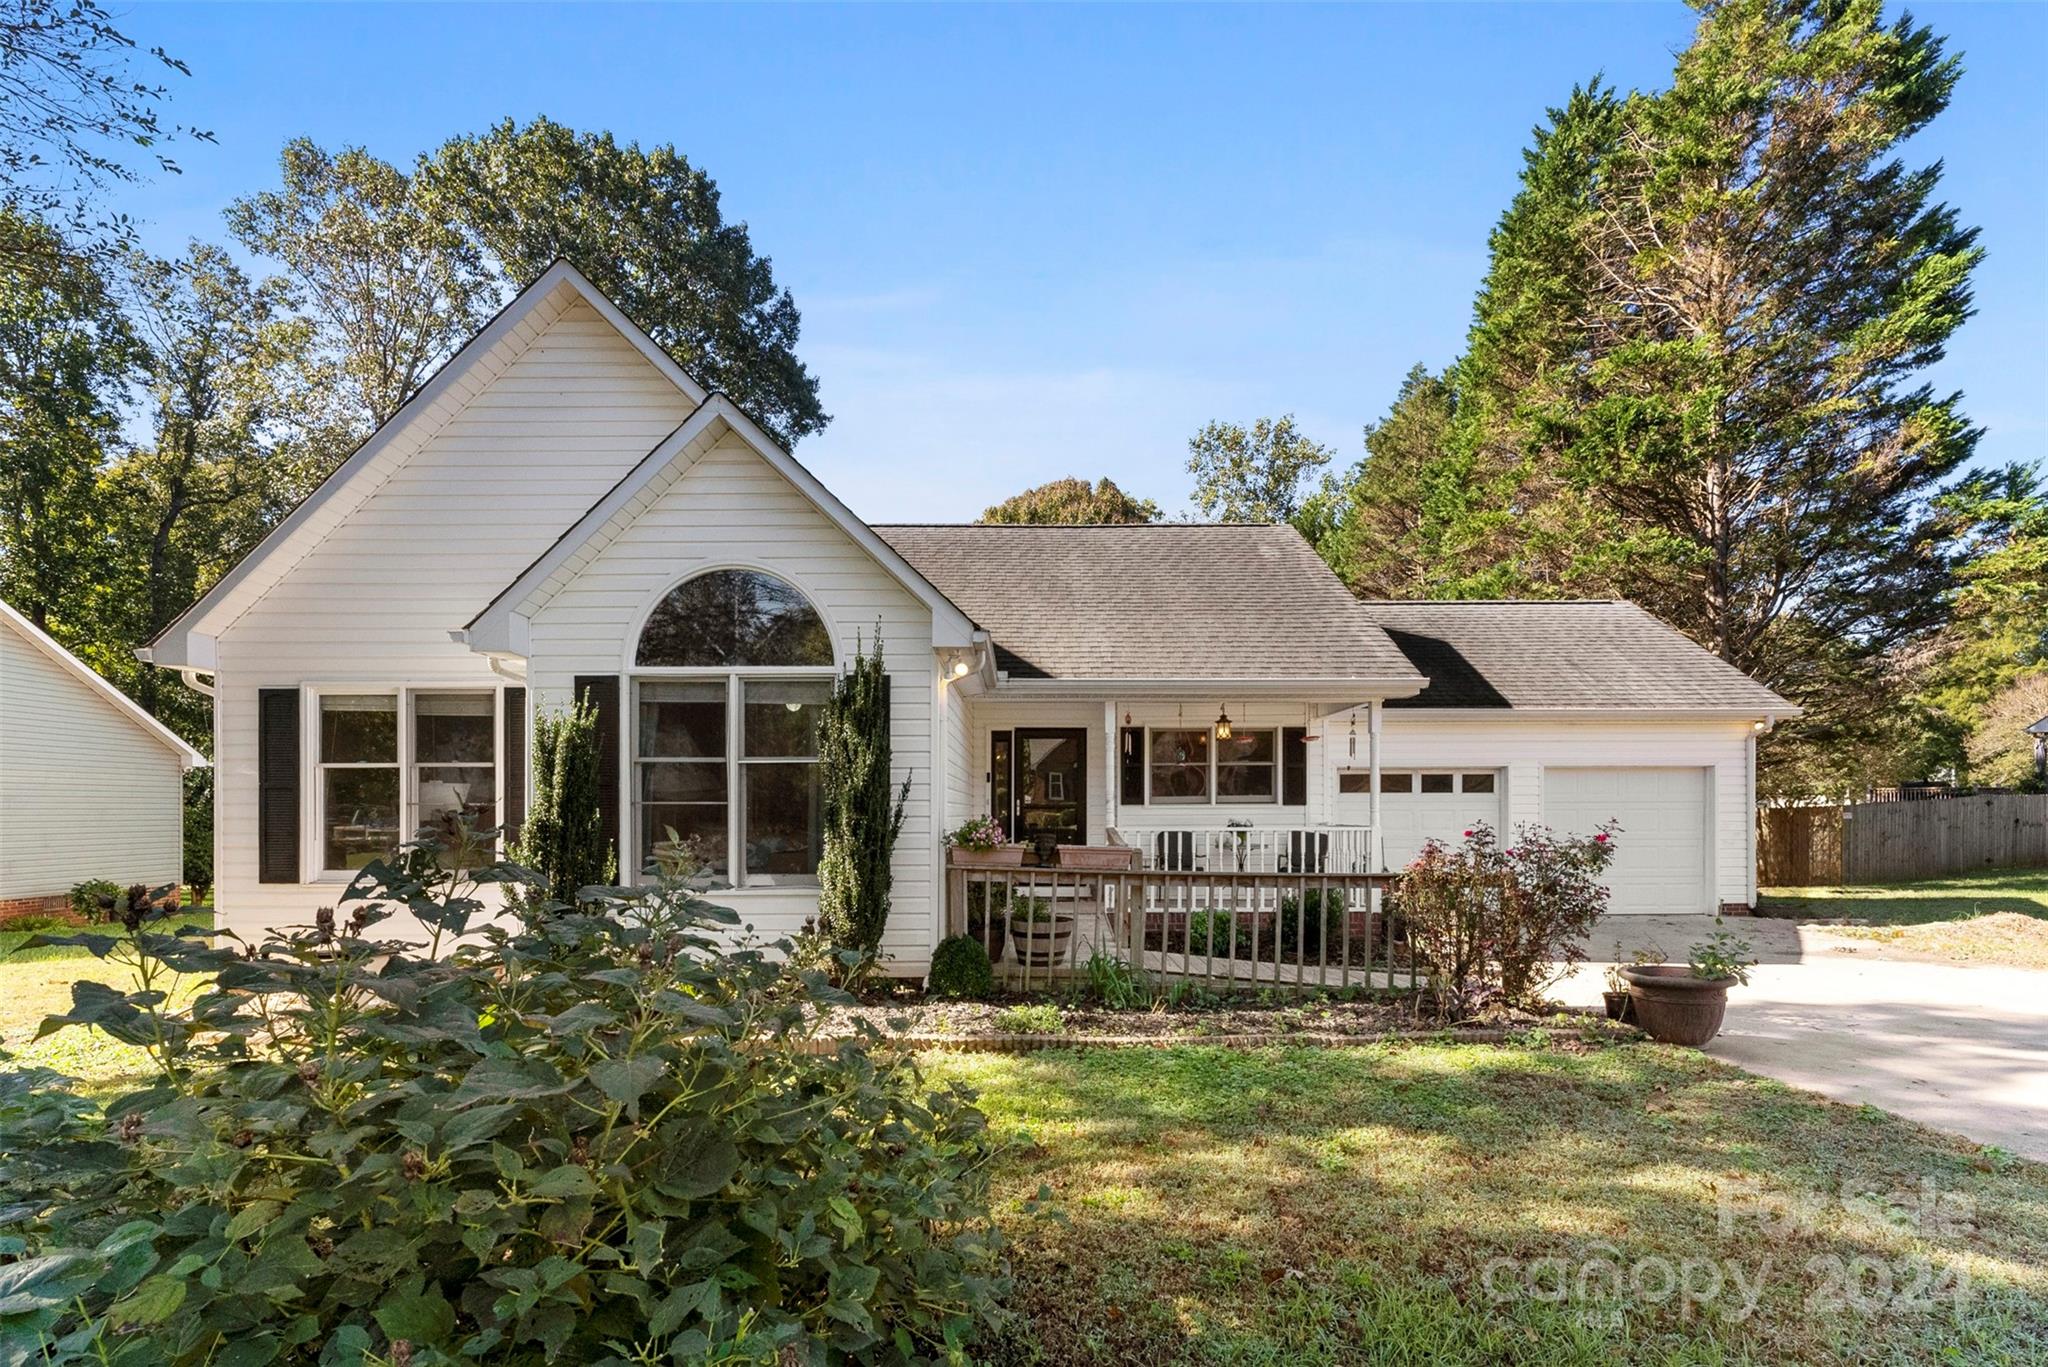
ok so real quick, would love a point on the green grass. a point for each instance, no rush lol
(1989, 918)
(2024, 891)
(1341, 1206)
(35, 983)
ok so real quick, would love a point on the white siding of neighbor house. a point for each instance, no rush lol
(731, 508)
(85, 792)
(1524, 747)
(538, 430)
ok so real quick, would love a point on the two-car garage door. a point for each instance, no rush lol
(1660, 863)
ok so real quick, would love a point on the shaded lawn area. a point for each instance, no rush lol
(1999, 918)
(35, 983)
(1295, 1205)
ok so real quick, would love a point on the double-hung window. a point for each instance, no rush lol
(402, 765)
(734, 671)
(1189, 765)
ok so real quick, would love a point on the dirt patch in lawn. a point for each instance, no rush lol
(2002, 937)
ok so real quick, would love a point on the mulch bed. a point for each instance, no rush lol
(1241, 1022)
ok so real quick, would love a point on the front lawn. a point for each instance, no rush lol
(1293, 1205)
(1999, 918)
(35, 983)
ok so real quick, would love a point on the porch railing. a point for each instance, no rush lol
(1223, 929)
(1252, 849)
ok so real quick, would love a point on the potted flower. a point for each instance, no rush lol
(980, 844)
(1040, 931)
(1684, 1003)
(1616, 993)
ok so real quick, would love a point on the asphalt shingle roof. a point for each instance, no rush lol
(1162, 601)
(1603, 654)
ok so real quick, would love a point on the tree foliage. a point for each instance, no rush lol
(67, 356)
(1073, 502)
(646, 226)
(1695, 377)
(395, 286)
(863, 808)
(591, 1135)
(74, 111)
(1253, 474)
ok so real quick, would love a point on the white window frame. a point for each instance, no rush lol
(1457, 776)
(1213, 798)
(313, 778)
(633, 859)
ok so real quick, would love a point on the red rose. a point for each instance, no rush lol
(1600, 839)
(1468, 835)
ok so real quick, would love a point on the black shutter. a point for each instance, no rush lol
(277, 785)
(514, 752)
(602, 692)
(1131, 767)
(1294, 766)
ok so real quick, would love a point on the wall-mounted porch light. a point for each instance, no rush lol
(1223, 724)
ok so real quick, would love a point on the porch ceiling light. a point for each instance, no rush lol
(1223, 725)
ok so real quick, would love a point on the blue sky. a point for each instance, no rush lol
(1031, 242)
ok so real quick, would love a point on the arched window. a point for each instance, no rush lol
(734, 619)
(725, 758)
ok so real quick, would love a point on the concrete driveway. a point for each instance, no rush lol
(1959, 1048)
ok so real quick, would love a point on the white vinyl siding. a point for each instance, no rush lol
(534, 434)
(1522, 748)
(731, 508)
(85, 792)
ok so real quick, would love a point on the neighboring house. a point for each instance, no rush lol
(91, 786)
(562, 510)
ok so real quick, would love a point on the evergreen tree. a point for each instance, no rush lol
(863, 812)
(562, 838)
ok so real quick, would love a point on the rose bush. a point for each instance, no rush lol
(1493, 924)
(588, 1135)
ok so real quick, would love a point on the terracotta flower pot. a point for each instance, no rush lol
(1041, 943)
(1674, 1006)
(1001, 857)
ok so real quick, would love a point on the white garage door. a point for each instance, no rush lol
(1661, 863)
(1418, 805)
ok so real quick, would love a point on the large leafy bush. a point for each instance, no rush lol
(1493, 924)
(581, 1136)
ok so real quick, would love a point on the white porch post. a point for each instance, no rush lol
(1372, 744)
(1111, 814)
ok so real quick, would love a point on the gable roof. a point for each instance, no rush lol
(1603, 655)
(187, 642)
(1211, 603)
(2039, 728)
(115, 699)
(497, 628)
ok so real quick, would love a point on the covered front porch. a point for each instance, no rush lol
(1194, 837)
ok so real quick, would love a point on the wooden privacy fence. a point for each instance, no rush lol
(1894, 842)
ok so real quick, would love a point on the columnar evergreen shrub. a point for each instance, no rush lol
(863, 812)
(563, 836)
(584, 1135)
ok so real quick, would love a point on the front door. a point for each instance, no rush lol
(1049, 786)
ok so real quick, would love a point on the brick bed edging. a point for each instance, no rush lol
(1031, 1044)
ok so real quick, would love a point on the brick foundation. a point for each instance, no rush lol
(16, 908)
(1737, 909)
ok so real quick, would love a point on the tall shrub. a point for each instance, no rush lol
(563, 838)
(863, 813)
(1491, 924)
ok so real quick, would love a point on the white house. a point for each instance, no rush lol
(563, 510)
(91, 786)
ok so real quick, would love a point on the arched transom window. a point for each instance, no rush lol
(725, 750)
(729, 619)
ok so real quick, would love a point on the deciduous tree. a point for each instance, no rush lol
(1253, 474)
(1073, 501)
